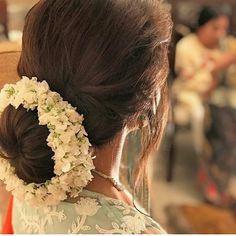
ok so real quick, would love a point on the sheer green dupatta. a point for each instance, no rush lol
(131, 153)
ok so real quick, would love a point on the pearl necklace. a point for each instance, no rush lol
(115, 183)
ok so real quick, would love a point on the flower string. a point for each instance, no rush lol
(67, 139)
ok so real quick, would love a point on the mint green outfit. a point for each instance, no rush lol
(93, 213)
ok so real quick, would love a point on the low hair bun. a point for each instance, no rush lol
(23, 141)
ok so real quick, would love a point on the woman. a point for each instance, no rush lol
(199, 62)
(107, 59)
(199, 66)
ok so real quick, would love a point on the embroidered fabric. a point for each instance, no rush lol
(93, 213)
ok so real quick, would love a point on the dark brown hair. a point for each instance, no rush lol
(24, 142)
(108, 58)
(208, 13)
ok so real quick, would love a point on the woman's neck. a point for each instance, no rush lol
(107, 161)
(108, 157)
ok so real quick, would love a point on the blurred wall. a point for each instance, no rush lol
(17, 10)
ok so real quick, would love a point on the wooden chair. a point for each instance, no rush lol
(8, 74)
(4, 17)
(8, 67)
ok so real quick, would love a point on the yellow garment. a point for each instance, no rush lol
(194, 64)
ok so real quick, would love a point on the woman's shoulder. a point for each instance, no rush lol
(189, 45)
(92, 213)
(131, 220)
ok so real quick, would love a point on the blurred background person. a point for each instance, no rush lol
(198, 64)
(202, 60)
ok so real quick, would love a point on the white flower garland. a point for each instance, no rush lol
(67, 139)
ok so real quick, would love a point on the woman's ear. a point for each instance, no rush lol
(142, 121)
(138, 122)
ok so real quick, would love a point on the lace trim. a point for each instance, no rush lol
(85, 207)
(35, 224)
(131, 222)
(131, 225)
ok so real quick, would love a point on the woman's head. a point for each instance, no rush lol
(107, 58)
(213, 24)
